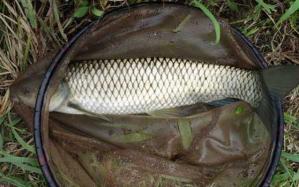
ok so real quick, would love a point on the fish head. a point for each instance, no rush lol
(25, 92)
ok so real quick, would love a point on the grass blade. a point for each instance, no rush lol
(1, 141)
(279, 178)
(208, 13)
(267, 7)
(293, 8)
(13, 122)
(97, 12)
(285, 167)
(185, 132)
(22, 142)
(8, 158)
(290, 119)
(296, 176)
(252, 31)
(29, 168)
(57, 19)
(24, 163)
(181, 25)
(81, 12)
(232, 5)
(290, 157)
(30, 12)
(134, 137)
(2, 120)
(13, 181)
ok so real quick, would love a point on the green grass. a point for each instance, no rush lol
(26, 34)
(287, 173)
(210, 15)
(18, 164)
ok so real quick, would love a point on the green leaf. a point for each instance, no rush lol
(24, 163)
(185, 132)
(57, 19)
(267, 7)
(239, 110)
(97, 12)
(208, 13)
(22, 142)
(84, 3)
(30, 12)
(2, 120)
(1, 141)
(278, 178)
(290, 157)
(232, 5)
(81, 12)
(16, 159)
(285, 167)
(252, 31)
(29, 168)
(289, 119)
(134, 137)
(293, 8)
(13, 181)
(182, 23)
(296, 176)
(26, 54)
(293, 22)
(13, 122)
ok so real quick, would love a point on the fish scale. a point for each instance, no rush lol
(143, 85)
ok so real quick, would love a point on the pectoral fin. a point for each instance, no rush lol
(73, 108)
(182, 111)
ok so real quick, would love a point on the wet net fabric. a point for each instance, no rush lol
(211, 146)
(220, 147)
(215, 147)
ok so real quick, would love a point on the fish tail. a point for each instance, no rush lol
(279, 81)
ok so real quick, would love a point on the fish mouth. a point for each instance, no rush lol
(13, 96)
(15, 99)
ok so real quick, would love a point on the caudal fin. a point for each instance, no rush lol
(280, 80)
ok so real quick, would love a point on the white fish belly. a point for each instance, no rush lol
(128, 86)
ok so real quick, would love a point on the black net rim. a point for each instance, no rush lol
(41, 152)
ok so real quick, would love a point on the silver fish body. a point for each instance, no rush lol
(142, 85)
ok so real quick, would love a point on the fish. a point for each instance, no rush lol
(144, 85)
(142, 66)
(154, 85)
